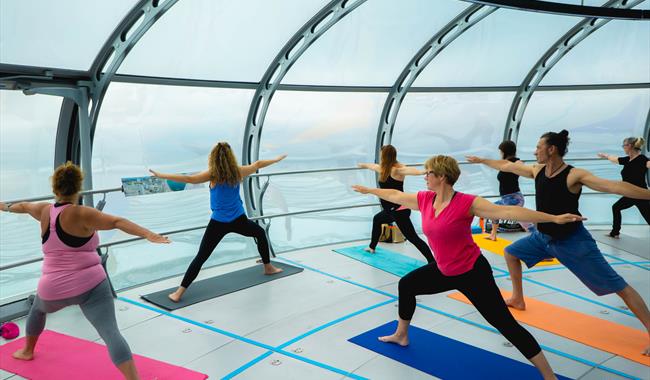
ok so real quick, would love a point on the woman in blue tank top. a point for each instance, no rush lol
(224, 175)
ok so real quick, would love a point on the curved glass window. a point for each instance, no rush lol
(62, 34)
(619, 52)
(595, 119)
(498, 51)
(372, 44)
(218, 39)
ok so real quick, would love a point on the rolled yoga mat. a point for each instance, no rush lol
(63, 357)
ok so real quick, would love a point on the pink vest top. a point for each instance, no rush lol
(449, 234)
(68, 271)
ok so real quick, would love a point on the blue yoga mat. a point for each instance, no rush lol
(445, 358)
(383, 259)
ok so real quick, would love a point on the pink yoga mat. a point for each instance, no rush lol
(62, 357)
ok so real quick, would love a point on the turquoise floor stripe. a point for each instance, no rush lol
(244, 339)
(383, 259)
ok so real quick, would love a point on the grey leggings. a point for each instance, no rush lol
(99, 308)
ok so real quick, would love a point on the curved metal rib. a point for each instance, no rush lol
(568, 9)
(329, 15)
(552, 56)
(456, 27)
(134, 25)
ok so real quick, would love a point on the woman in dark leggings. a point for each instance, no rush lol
(635, 167)
(224, 175)
(391, 176)
(446, 219)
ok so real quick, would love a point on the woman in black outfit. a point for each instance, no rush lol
(508, 186)
(391, 176)
(635, 168)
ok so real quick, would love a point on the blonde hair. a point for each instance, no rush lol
(222, 165)
(636, 142)
(444, 166)
(388, 158)
(67, 180)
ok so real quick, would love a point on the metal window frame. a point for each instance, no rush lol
(469, 17)
(548, 60)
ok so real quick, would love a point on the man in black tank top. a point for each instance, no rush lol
(557, 191)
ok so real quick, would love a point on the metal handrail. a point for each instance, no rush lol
(129, 240)
(133, 239)
(48, 197)
(273, 174)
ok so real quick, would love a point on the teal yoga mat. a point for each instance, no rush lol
(384, 259)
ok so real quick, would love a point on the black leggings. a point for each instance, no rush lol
(479, 287)
(622, 204)
(213, 235)
(403, 221)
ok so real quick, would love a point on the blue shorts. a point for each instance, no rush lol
(578, 252)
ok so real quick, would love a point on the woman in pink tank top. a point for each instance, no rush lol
(446, 222)
(72, 273)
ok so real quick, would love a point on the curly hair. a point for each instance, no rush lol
(223, 166)
(67, 180)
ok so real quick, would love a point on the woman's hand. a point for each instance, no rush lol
(280, 158)
(603, 155)
(474, 159)
(158, 239)
(4, 207)
(155, 173)
(361, 189)
(568, 218)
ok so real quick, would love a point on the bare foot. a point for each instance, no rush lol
(646, 352)
(175, 297)
(270, 269)
(259, 261)
(368, 249)
(22, 354)
(402, 340)
(490, 237)
(516, 303)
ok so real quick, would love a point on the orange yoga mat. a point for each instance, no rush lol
(499, 246)
(598, 333)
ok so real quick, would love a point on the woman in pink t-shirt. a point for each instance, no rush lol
(72, 270)
(446, 222)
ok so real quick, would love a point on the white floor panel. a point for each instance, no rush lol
(299, 324)
(270, 302)
(226, 359)
(286, 369)
(172, 341)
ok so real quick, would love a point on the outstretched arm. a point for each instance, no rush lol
(409, 170)
(488, 210)
(247, 170)
(373, 167)
(518, 167)
(614, 187)
(33, 209)
(185, 178)
(613, 159)
(94, 220)
(395, 196)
